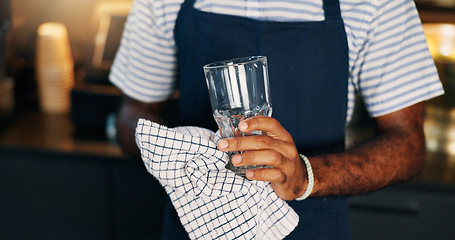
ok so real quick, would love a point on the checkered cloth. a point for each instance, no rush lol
(211, 201)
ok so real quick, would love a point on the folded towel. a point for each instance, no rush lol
(211, 201)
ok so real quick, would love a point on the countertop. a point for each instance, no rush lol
(53, 132)
(56, 133)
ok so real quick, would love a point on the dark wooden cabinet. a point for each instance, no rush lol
(48, 195)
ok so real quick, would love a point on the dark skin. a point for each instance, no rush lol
(394, 155)
(130, 111)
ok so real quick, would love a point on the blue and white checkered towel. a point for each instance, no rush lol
(211, 201)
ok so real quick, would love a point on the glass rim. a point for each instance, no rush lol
(234, 62)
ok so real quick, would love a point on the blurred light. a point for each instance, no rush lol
(432, 144)
(451, 148)
(446, 47)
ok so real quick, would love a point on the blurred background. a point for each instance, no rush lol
(63, 176)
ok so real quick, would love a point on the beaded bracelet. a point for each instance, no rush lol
(310, 175)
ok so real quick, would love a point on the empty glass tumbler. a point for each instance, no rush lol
(238, 89)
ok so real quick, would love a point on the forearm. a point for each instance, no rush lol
(129, 113)
(394, 155)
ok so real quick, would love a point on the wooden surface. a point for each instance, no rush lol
(53, 132)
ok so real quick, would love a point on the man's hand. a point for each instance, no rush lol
(275, 149)
(393, 155)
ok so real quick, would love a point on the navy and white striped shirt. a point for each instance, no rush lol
(389, 62)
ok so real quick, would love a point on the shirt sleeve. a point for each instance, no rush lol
(144, 67)
(396, 69)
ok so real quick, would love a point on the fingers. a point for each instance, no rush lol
(255, 143)
(266, 157)
(275, 136)
(267, 174)
(279, 163)
(268, 125)
(275, 149)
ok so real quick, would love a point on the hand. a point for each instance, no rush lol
(275, 149)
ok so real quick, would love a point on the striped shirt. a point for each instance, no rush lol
(389, 62)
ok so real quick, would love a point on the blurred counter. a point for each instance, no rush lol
(56, 133)
(53, 132)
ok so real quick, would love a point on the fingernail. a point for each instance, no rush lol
(243, 126)
(236, 159)
(222, 144)
(249, 174)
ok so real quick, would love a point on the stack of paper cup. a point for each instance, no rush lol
(54, 68)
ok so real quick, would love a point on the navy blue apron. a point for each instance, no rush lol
(308, 71)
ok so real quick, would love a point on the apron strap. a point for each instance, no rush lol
(189, 2)
(332, 10)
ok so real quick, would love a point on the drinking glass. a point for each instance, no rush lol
(238, 89)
